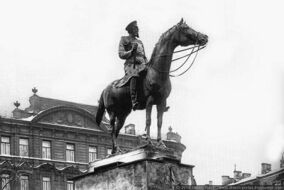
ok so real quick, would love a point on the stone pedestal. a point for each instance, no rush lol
(145, 168)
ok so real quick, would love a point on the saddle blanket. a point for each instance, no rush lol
(124, 80)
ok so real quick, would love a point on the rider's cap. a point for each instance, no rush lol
(130, 25)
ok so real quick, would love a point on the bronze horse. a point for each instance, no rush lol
(155, 83)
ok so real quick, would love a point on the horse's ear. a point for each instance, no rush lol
(181, 21)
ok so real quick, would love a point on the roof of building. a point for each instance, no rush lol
(251, 178)
(41, 106)
(45, 103)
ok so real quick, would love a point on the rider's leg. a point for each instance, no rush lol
(133, 93)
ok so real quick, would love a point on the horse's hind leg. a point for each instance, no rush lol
(113, 136)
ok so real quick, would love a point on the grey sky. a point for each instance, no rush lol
(228, 108)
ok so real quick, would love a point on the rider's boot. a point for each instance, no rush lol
(133, 93)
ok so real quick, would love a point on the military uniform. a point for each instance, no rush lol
(132, 50)
(135, 61)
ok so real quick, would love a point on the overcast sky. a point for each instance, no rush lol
(228, 108)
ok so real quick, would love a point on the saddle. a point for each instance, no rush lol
(125, 82)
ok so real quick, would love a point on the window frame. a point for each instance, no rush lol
(70, 153)
(5, 145)
(24, 180)
(47, 150)
(70, 182)
(93, 154)
(48, 182)
(27, 147)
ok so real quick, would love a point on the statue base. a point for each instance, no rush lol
(147, 167)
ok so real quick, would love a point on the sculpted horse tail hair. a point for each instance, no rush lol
(101, 110)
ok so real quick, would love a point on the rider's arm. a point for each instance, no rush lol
(123, 54)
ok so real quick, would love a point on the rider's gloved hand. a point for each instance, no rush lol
(134, 47)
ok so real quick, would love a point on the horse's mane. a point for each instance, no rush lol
(162, 38)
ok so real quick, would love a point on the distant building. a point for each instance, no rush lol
(173, 136)
(282, 161)
(238, 175)
(130, 129)
(46, 144)
(267, 176)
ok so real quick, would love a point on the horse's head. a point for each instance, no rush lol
(185, 36)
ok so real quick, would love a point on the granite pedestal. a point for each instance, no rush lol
(146, 168)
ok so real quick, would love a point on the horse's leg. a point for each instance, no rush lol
(119, 124)
(149, 105)
(160, 109)
(113, 137)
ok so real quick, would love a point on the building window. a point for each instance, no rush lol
(5, 145)
(24, 147)
(92, 153)
(5, 178)
(109, 151)
(70, 185)
(70, 152)
(24, 180)
(130, 129)
(46, 149)
(46, 183)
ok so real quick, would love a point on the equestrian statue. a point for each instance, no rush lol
(146, 83)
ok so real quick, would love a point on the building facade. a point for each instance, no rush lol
(46, 144)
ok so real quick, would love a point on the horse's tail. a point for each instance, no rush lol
(101, 110)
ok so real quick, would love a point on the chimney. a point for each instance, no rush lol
(237, 175)
(210, 182)
(282, 161)
(245, 175)
(265, 168)
(19, 113)
(225, 180)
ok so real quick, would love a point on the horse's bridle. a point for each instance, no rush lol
(199, 47)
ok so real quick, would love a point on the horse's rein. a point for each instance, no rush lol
(187, 55)
(198, 48)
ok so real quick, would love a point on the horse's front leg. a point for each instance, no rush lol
(149, 105)
(113, 132)
(160, 109)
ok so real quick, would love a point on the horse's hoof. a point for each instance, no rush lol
(115, 150)
(161, 144)
(150, 142)
(167, 108)
(148, 139)
(119, 151)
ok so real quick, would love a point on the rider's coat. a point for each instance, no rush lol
(135, 61)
